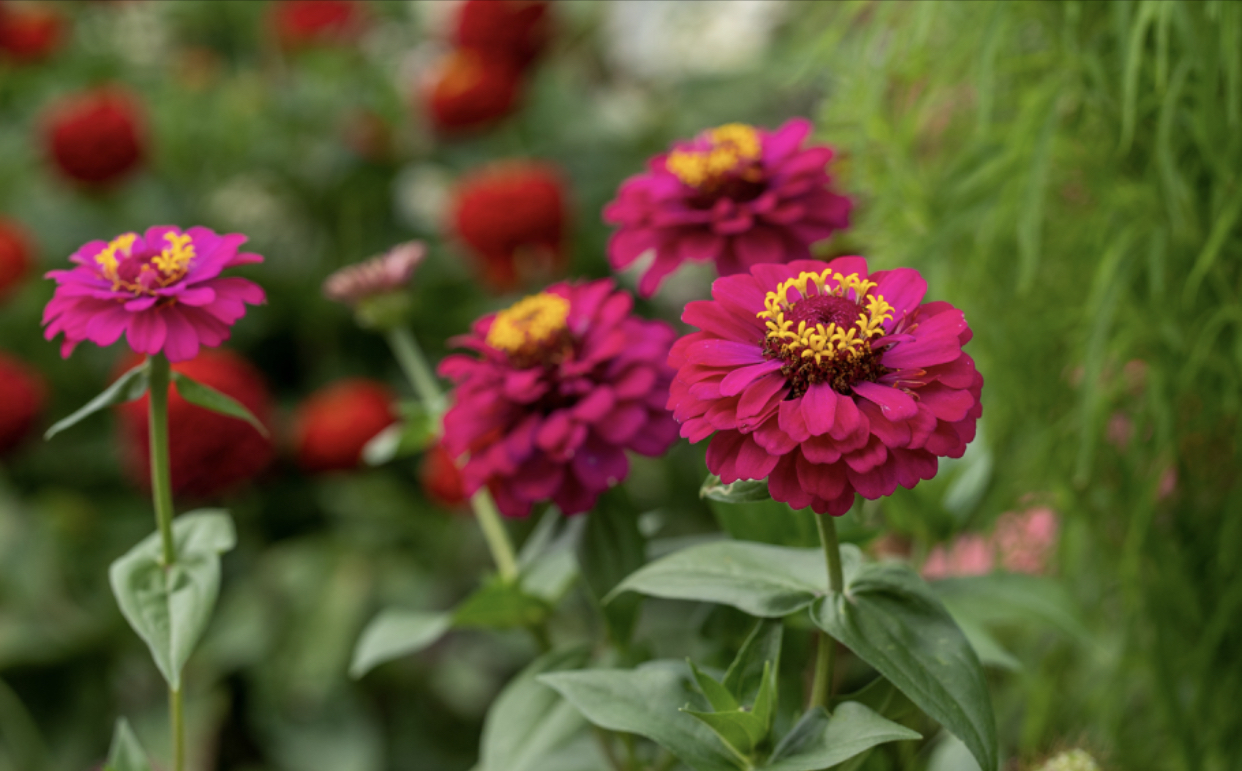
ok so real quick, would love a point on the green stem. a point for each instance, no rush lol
(825, 659)
(494, 532)
(161, 475)
(177, 717)
(415, 366)
(158, 377)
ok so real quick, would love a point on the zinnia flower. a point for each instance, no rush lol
(472, 90)
(16, 257)
(388, 273)
(440, 477)
(95, 137)
(209, 453)
(21, 401)
(968, 555)
(334, 424)
(736, 195)
(511, 215)
(825, 379)
(29, 33)
(566, 381)
(302, 23)
(516, 28)
(163, 290)
(1026, 541)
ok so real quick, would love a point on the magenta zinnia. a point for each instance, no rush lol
(566, 382)
(736, 195)
(162, 289)
(827, 380)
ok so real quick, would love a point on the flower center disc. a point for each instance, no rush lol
(722, 160)
(532, 329)
(145, 272)
(820, 325)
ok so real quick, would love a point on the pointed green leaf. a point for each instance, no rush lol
(396, 633)
(745, 674)
(819, 740)
(547, 562)
(759, 579)
(646, 701)
(169, 607)
(717, 695)
(529, 721)
(891, 619)
(128, 387)
(741, 491)
(500, 604)
(209, 398)
(738, 729)
(764, 708)
(126, 753)
(612, 547)
(403, 439)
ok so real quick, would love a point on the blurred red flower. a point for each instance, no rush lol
(96, 137)
(335, 423)
(441, 478)
(16, 255)
(303, 23)
(22, 392)
(512, 216)
(29, 33)
(210, 453)
(519, 29)
(472, 90)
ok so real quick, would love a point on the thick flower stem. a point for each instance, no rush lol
(177, 718)
(158, 378)
(497, 537)
(415, 366)
(821, 691)
(161, 475)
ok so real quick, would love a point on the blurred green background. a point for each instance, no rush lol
(1066, 172)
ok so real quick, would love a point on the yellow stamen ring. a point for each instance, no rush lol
(529, 323)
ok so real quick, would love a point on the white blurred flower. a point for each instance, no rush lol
(138, 33)
(248, 204)
(668, 40)
(436, 18)
(421, 196)
(623, 111)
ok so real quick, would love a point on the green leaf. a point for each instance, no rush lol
(738, 729)
(128, 387)
(767, 521)
(741, 491)
(819, 740)
(745, 674)
(892, 620)
(396, 633)
(529, 721)
(646, 701)
(126, 753)
(169, 607)
(1012, 598)
(400, 440)
(716, 694)
(612, 547)
(209, 398)
(762, 580)
(500, 605)
(547, 561)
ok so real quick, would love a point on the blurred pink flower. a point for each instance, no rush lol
(162, 289)
(1026, 540)
(969, 555)
(387, 273)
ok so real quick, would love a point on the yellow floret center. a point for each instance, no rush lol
(732, 147)
(170, 265)
(820, 341)
(529, 323)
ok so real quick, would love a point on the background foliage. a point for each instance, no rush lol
(1065, 172)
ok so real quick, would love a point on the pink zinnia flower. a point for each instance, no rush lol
(1026, 541)
(162, 289)
(827, 380)
(566, 382)
(737, 195)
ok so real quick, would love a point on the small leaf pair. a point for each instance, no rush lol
(132, 385)
(744, 730)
